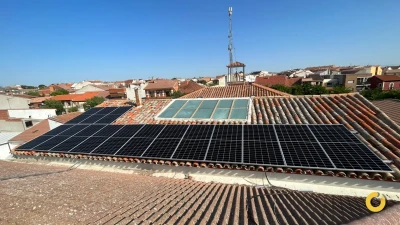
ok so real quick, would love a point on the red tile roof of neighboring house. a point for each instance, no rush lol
(39, 99)
(388, 77)
(207, 79)
(236, 64)
(104, 87)
(189, 86)
(279, 79)
(235, 91)
(162, 84)
(390, 107)
(76, 97)
(33, 132)
(101, 197)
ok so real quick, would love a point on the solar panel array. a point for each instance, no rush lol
(105, 115)
(302, 146)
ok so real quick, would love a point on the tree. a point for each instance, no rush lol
(202, 82)
(54, 104)
(59, 92)
(90, 103)
(41, 86)
(177, 94)
(33, 93)
(282, 88)
(73, 109)
(338, 89)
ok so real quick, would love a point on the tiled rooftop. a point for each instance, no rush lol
(65, 117)
(235, 91)
(352, 110)
(42, 194)
(390, 107)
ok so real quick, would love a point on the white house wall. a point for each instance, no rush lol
(53, 124)
(32, 113)
(12, 102)
(88, 88)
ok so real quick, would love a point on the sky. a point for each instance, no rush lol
(47, 41)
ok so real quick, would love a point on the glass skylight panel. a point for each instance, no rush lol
(214, 109)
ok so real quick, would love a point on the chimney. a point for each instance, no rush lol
(138, 100)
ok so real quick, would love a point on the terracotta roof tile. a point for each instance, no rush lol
(235, 91)
(39, 99)
(279, 79)
(33, 132)
(75, 97)
(144, 199)
(189, 86)
(390, 107)
(236, 64)
(161, 84)
(388, 77)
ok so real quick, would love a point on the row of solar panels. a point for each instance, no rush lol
(105, 115)
(303, 146)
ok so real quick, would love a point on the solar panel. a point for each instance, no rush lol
(74, 130)
(294, 133)
(31, 144)
(228, 132)
(173, 131)
(94, 110)
(135, 147)
(68, 144)
(303, 146)
(225, 151)
(305, 154)
(47, 145)
(108, 130)
(350, 156)
(79, 118)
(107, 110)
(259, 133)
(88, 145)
(93, 118)
(108, 118)
(262, 153)
(128, 131)
(162, 148)
(191, 149)
(110, 146)
(150, 131)
(90, 130)
(58, 130)
(333, 133)
(199, 132)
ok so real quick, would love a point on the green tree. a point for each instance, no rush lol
(54, 104)
(202, 82)
(33, 93)
(42, 86)
(59, 92)
(177, 94)
(73, 109)
(282, 88)
(90, 103)
(377, 94)
(338, 89)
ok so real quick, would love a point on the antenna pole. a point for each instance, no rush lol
(230, 46)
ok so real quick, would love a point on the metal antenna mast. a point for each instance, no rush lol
(230, 46)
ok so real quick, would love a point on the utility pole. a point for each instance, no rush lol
(230, 46)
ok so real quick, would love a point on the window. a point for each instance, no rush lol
(391, 86)
(380, 85)
(28, 123)
(329, 84)
(350, 81)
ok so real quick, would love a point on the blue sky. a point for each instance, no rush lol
(47, 41)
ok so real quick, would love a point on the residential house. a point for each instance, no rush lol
(220, 80)
(13, 102)
(296, 73)
(137, 86)
(94, 88)
(189, 86)
(260, 73)
(18, 120)
(393, 72)
(313, 79)
(36, 103)
(357, 82)
(206, 79)
(278, 80)
(161, 88)
(79, 85)
(54, 87)
(96, 82)
(76, 100)
(117, 93)
(385, 82)
(373, 70)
